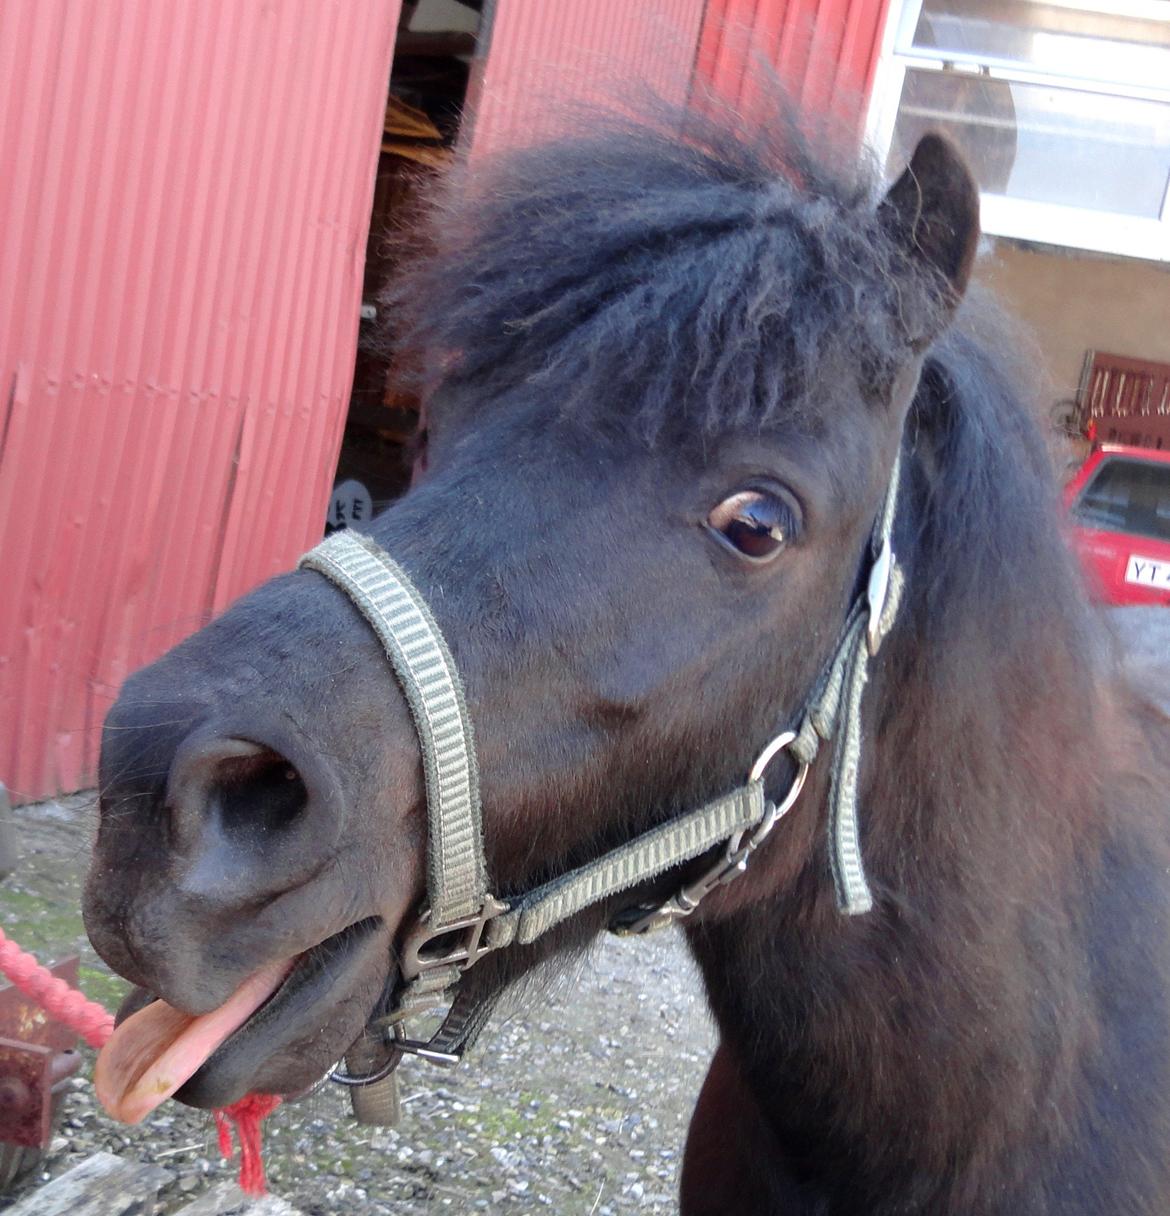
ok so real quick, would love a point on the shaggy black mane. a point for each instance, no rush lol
(683, 274)
(677, 269)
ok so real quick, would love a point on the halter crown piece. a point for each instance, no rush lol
(462, 921)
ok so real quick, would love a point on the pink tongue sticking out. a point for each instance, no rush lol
(158, 1048)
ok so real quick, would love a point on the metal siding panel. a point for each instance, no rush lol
(542, 56)
(185, 199)
(825, 51)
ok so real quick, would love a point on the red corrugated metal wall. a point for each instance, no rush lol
(184, 202)
(826, 51)
(184, 197)
(542, 54)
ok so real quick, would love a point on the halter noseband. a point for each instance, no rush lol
(462, 921)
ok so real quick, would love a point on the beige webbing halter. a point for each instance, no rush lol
(462, 920)
(397, 613)
(836, 703)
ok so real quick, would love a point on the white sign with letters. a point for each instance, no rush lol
(350, 505)
(1147, 572)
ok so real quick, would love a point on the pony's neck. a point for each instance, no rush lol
(888, 1035)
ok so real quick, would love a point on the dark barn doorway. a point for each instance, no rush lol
(435, 55)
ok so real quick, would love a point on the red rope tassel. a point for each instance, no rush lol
(89, 1020)
(247, 1114)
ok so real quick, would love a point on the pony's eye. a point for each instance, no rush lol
(757, 524)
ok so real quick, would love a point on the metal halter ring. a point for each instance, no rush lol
(391, 1039)
(781, 743)
(732, 863)
(397, 1045)
(741, 846)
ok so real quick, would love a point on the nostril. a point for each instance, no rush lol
(234, 790)
(258, 790)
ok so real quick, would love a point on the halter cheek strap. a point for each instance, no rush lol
(834, 711)
(462, 920)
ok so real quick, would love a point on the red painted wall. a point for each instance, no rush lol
(826, 51)
(184, 198)
(544, 53)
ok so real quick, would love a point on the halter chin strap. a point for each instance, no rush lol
(462, 920)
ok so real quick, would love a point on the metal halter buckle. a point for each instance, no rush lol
(736, 854)
(463, 953)
(463, 949)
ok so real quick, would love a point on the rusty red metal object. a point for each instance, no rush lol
(37, 1056)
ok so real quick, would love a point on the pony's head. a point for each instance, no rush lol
(667, 377)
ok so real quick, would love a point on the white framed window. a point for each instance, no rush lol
(1062, 108)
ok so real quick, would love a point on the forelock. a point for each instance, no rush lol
(678, 270)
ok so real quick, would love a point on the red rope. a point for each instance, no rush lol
(95, 1025)
(62, 1003)
(247, 1114)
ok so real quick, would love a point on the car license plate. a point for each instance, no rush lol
(1147, 572)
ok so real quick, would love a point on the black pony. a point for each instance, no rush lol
(668, 372)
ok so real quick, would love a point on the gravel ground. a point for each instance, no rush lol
(578, 1105)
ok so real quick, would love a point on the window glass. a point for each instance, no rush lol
(1128, 496)
(1130, 48)
(1043, 143)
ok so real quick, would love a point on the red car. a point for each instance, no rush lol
(1119, 507)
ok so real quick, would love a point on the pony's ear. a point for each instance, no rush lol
(932, 214)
